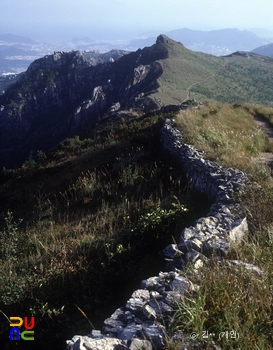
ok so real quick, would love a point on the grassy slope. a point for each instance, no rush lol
(182, 68)
(234, 305)
(244, 79)
(237, 78)
(226, 132)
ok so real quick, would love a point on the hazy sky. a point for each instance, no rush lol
(99, 19)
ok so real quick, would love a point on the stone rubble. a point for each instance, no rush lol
(141, 321)
(140, 324)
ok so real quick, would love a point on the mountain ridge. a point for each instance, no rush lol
(81, 219)
(72, 90)
(61, 94)
(217, 42)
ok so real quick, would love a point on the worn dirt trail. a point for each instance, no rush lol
(265, 158)
(203, 81)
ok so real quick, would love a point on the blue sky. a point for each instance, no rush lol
(99, 19)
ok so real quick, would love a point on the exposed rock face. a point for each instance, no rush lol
(142, 321)
(61, 94)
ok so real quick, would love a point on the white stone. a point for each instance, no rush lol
(139, 344)
(86, 343)
(239, 230)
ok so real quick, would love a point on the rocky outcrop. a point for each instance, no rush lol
(61, 94)
(142, 322)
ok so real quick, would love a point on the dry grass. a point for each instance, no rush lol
(226, 133)
(234, 299)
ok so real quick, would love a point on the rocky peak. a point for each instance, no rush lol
(162, 39)
(61, 94)
(57, 60)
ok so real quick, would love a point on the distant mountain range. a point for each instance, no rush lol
(216, 42)
(16, 39)
(17, 52)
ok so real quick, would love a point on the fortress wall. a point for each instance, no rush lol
(141, 322)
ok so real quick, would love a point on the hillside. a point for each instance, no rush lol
(244, 77)
(82, 225)
(62, 94)
(85, 219)
(265, 50)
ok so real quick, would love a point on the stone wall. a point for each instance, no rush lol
(140, 324)
(225, 222)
